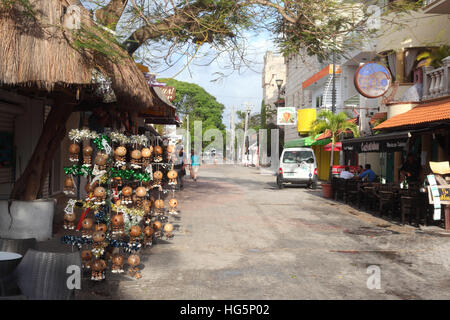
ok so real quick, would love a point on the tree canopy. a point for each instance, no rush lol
(165, 31)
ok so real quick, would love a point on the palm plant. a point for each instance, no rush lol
(336, 124)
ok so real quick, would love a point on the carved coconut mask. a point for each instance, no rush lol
(134, 260)
(141, 192)
(100, 227)
(170, 148)
(158, 150)
(136, 154)
(100, 192)
(86, 255)
(117, 259)
(158, 175)
(101, 158)
(146, 152)
(157, 225)
(127, 191)
(173, 203)
(159, 204)
(68, 182)
(135, 231)
(168, 227)
(87, 151)
(87, 223)
(172, 174)
(99, 236)
(117, 220)
(120, 151)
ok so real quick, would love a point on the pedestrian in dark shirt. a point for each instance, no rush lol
(411, 169)
(368, 173)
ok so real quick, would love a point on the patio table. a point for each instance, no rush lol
(8, 263)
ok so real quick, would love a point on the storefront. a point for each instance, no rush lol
(323, 157)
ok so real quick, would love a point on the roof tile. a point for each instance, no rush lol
(430, 112)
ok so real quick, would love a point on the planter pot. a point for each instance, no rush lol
(27, 219)
(327, 190)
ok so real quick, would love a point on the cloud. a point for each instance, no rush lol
(239, 87)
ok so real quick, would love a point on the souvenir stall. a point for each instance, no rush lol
(130, 199)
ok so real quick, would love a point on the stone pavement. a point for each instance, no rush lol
(239, 237)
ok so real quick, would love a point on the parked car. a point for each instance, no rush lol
(298, 166)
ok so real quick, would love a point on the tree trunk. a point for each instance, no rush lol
(30, 183)
(330, 175)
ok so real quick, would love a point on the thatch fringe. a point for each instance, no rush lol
(38, 52)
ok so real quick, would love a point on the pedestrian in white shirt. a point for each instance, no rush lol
(346, 174)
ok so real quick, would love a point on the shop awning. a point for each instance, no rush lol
(420, 116)
(306, 142)
(388, 142)
(337, 147)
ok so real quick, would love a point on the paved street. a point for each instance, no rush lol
(239, 237)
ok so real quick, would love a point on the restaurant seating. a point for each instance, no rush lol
(341, 185)
(352, 192)
(386, 199)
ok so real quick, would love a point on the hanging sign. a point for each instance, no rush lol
(286, 116)
(372, 80)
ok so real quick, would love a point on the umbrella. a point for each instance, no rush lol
(337, 147)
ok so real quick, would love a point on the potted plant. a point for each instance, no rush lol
(335, 124)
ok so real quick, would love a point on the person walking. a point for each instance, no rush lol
(195, 165)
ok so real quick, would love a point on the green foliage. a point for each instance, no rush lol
(193, 100)
(335, 123)
(24, 4)
(435, 56)
(98, 41)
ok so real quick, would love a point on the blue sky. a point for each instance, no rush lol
(236, 89)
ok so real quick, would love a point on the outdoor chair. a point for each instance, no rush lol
(352, 192)
(8, 283)
(43, 275)
(388, 199)
(340, 189)
(19, 246)
(370, 196)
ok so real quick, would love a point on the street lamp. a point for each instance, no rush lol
(279, 83)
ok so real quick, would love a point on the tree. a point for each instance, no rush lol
(335, 124)
(156, 32)
(193, 100)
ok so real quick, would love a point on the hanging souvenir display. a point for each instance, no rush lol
(120, 157)
(117, 261)
(123, 209)
(87, 155)
(134, 261)
(74, 150)
(86, 259)
(173, 203)
(146, 156)
(158, 150)
(69, 186)
(98, 270)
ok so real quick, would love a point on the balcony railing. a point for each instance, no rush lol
(436, 82)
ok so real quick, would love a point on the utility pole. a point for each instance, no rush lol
(232, 128)
(188, 139)
(333, 91)
(247, 112)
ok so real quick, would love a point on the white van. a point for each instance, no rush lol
(297, 166)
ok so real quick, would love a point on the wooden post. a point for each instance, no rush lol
(28, 186)
(447, 217)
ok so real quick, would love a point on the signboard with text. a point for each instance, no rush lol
(372, 80)
(286, 116)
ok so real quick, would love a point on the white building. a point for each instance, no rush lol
(274, 69)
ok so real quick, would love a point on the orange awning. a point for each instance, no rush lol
(423, 114)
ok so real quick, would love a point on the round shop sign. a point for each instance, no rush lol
(372, 80)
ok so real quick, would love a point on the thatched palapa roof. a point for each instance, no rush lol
(37, 52)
